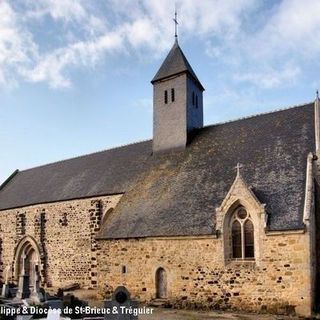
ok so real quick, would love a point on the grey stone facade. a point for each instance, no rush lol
(173, 121)
(194, 105)
(175, 118)
(170, 120)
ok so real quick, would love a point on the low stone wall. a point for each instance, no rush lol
(198, 277)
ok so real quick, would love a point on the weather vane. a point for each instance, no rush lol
(175, 24)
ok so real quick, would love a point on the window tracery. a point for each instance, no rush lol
(242, 234)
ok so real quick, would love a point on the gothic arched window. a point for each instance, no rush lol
(242, 235)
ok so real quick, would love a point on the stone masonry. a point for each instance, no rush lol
(198, 277)
(201, 274)
(64, 232)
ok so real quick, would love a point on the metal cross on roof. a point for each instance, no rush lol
(238, 167)
(175, 24)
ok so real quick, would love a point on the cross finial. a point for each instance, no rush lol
(317, 94)
(175, 24)
(238, 167)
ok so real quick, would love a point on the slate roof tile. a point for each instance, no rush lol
(176, 193)
(175, 63)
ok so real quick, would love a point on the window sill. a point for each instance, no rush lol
(250, 263)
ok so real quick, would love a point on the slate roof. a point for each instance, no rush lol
(176, 193)
(175, 63)
(107, 172)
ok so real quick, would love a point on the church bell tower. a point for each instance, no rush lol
(177, 102)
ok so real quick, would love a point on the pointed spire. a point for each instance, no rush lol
(317, 95)
(175, 63)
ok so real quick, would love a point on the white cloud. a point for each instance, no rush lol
(16, 45)
(21, 56)
(270, 78)
(52, 66)
(67, 10)
(294, 27)
(275, 51)
(88, 35)
(84, 32)
(290, 32)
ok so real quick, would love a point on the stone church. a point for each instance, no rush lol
(221, 216)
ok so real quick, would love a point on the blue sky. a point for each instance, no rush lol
(75, 74)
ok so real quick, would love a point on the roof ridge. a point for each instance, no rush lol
(86, 154)
(146, 140)
(257, 115)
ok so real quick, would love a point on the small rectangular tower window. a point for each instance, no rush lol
(172, 95)
(124, 269)
(193, 98)
(165, 96)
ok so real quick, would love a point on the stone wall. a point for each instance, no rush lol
(65, 235)
(198, 275)
(173, 121)
(194, 112)
(170, 120)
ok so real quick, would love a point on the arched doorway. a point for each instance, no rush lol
(161, 283)
(27, 260)
(31, 265)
